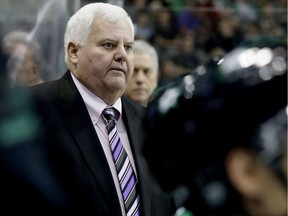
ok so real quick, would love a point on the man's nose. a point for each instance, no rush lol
(140, 75)
(121, 54)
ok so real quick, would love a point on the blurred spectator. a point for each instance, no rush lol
(227, 34)
(146, 73)
(210, 9)
(251, 31)
(44, 20)
(187, 56)
(165, 30)
(23, 66)
(271, 23)
(245, 11)
(188, 19)
(143, 23)
(183, 58)
(134, 6)
(169, 69)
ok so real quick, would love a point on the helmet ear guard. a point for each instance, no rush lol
(212, 112)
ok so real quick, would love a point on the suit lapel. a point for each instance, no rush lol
(79, 123)
(133, 123)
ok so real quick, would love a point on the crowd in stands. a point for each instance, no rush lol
(186, 33)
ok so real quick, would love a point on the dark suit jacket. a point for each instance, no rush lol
(74, 154)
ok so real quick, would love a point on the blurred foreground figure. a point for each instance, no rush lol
(217, 137)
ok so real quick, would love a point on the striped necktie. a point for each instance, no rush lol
(126, 174)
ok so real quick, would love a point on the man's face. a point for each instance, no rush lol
(22, 67)
(144, 79)
(105, 64)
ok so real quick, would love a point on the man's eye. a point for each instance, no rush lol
(128, 48)
(147, 71)
(109, 45)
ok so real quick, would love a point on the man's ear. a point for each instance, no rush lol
(72, 50)
(242, 169)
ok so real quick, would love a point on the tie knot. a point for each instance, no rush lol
(109, 114)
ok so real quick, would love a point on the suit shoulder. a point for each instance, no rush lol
(44, 89)
(54, 87)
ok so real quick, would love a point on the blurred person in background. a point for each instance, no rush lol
(165, 30)
(144, 25)
(227, 34)
(230, 122)
(23, 65)
(99, 42)
(187, 56)
(146, 73)
(189, 18)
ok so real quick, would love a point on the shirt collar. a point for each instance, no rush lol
(95, 105)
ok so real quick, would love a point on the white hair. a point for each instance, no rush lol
(142, 47)
(80, 24)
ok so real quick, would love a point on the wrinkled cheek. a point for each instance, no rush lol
(92, 70)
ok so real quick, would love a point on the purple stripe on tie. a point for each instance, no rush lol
(114, 136)
(126, 177)
(138, 212)
(117, 151)
(129, 187)
(134, 209)
(115, 141)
